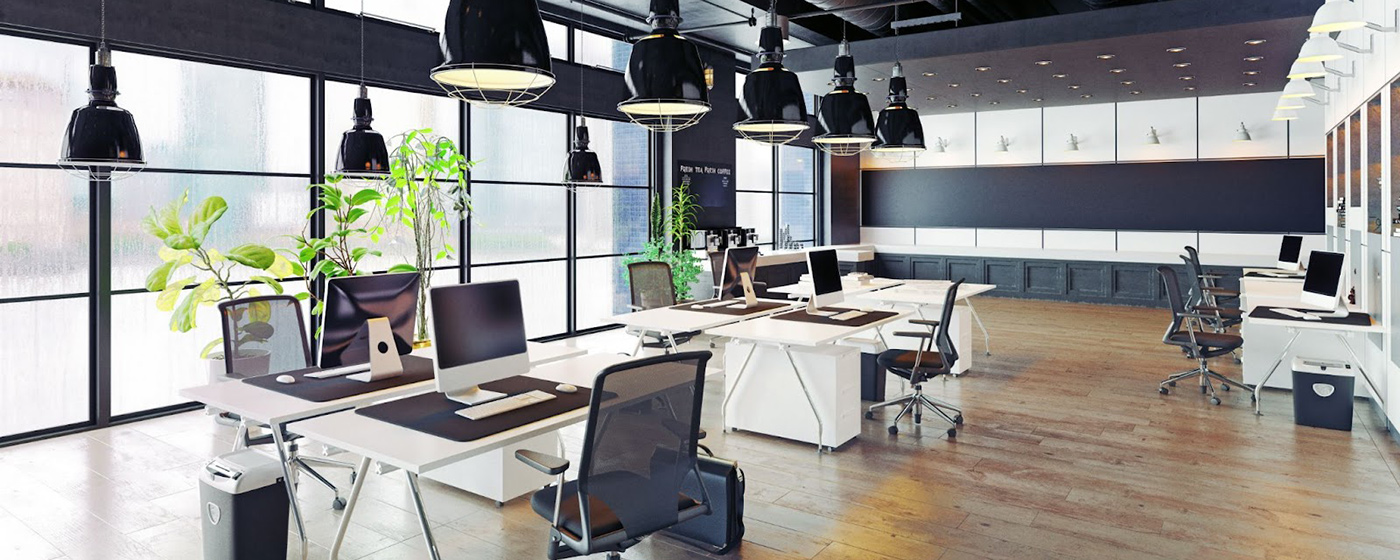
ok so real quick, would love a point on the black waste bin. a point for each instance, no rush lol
(244, 507)
(1322, 393)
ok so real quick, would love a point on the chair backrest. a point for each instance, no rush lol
(640, 440)
(1193, 260)
(717, 267)
(1174, 299)
(652, 284)
(263, 335)
(943, 338)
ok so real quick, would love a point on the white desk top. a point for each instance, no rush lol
(926, 292)
(263, 405)
(680, 319)
(1374, 327)
(796, 333)
(849, 286)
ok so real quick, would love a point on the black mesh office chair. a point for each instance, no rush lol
(1187, 330)
(653, 286)
(639, 450)
(935, 357)
(1205, 291)
(266, 335)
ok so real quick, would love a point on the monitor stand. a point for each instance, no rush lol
(384, 362)
(474, 395)
(817, 311)
(750, 297)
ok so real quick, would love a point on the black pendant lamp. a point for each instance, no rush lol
(844, 121)
(898, 131)
(665, 75)
(101, 141)
(494, 52)
(582, 166)
(772, 97)
(362, 150)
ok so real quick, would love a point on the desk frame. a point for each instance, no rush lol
(1341, 336)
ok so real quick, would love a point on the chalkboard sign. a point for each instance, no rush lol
(713, 186)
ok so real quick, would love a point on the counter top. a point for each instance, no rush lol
(1207, 259)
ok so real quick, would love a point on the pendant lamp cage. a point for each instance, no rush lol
(665, 75)
(772, 98)
(101, 141)
(495, 53)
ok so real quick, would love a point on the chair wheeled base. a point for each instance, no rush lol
(916, 402)
(1207, 378)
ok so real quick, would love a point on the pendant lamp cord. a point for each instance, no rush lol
(104, 22)
(362, 42)
(581, 74)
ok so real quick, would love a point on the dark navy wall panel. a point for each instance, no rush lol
(1273, 195)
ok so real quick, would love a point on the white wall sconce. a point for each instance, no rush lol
(1290, 103)
(1003, 145)
(1152, 138)
(1072, 145)
(1343, 15)
(1321, 47)
(1242, 134)
(1285, 115)
(1298, 88)
(1310, 70)
(939, 145)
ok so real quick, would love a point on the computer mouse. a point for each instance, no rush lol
(286, 379)
(565, 388)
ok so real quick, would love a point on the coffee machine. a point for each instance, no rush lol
(718, 239)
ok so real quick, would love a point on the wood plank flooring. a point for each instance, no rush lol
(1068, 453)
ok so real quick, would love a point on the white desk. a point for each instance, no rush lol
(258, 405)
(803, 290)
(678, 319)
(1296, 327)
(831, 384)
(926, 297)
(417, 453)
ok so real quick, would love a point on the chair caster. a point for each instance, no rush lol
(958, 420)
(894, 430)
(1215, 401)
(952, 432)
(1203, 389)
(338, 503)
(1253, 398)
(1162, 390)
(869, 415)
(1224, 387)
(1171, 383)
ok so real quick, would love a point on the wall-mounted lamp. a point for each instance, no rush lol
(1290, 103)
(1285, 115)
(1321, 47)
(1343, 15)
(1072, 145)
(1003, 145)
(1242, 134)
(1152, 138)
(1298, 88)
(940, 145)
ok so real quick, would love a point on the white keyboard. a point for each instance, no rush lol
(848, 315)
(337, 372)
(501, 406)
(720, 303)
(1297, 314)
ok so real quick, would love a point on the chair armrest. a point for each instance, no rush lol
(924, 322)
(915, 334)
(700, 433)
(1211, 275)
(1218, 290)
(1197, 316)
(543, 462)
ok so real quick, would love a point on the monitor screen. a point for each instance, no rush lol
(477, 322)
(736, 260)
(1291, 249)
(826, 273)
(1324, 273)
(352, 300)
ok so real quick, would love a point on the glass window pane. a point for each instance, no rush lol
(755, 210)
(397, 247)
(518, 222)
(624, 150)
(151, 363)
(557, 36)
(796, 211)
(602, 291)
(45, 357)
(542, 289)
(263, 210)
(592, 49)
(611, 221)
(753, 165)
(518, 145)
(204, 116)
(796, 171)
(395, 112)
(43, 233)
(41, 83)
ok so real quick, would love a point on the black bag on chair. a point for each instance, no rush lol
(723, 528)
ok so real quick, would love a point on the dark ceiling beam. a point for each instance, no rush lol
(1156, 17)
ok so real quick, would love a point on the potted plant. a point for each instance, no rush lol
(210, 275)
(670, 229)
(351, 229)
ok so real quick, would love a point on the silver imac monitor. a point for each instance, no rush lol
(1290, 253)
(826, 278)
(1322, 287)
(479, 335)
(737, 262)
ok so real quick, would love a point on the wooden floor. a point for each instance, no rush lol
(1068, 452)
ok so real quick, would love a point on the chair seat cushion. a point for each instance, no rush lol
(901, 362)
(601, 517)
(1209, 339)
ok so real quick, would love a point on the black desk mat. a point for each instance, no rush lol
(1274, 277)
(1355, 319)
(760, 307)
(415, 369)
(802, 316)
(435, 414)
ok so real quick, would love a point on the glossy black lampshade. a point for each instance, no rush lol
(494, 52)
(772, 96)
(665, 75)
(101, 139)
(362, 150)
(845, 125)
(583, 166)
(898, 130)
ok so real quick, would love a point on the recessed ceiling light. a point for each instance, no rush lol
(1004, 81)
(982, 68)
(1118, 70)
(1106, 57)
(1074, 86)
(930, 98)
(1181, 65)
(1135, 92)
(996, 103)
(1037, 100)
(930, 74)
(952, 105)
(1175, 50)
(1086, 96)
(1251, 72)
(1043, 62)
(953, 85)
(1021, 91)
(1127, 82)
(1250, 84)
(976, 94)
(1186, 78)
(1059, 75)
(1190, 88)
(879, 79)
(1253, 58)
(1256, 42)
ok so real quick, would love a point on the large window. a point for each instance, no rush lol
(776, 192)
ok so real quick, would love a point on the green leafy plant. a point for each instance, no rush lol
(211, 271)
(669, 230)
(351, 227)
(427, 193)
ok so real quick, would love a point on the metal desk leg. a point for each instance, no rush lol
(738, 376)
(1375, 394)
(422, 515)
(821, 431)
(671, 339)
(986, 337)
(240, 436)
(641, 337)
(1281, 355)
(361, 474)
(291, 486)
